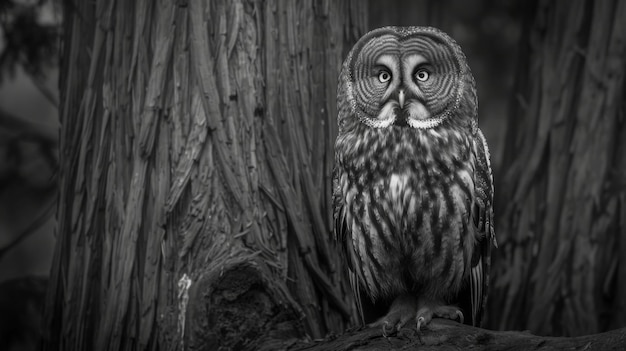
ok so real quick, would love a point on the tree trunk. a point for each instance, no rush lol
(561, 265)
(196, 150)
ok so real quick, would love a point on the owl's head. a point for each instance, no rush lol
(407, 76)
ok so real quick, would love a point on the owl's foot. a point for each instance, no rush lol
(429, 309)
(401, 311)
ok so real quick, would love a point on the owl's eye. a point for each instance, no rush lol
(422, 75)
(384, 76)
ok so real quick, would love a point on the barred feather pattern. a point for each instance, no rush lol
(413, 202)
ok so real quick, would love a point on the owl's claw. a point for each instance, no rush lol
(428, 310)
(402, 310)
(420, 320)
(389, 331)
(390, 324)
(460, 315)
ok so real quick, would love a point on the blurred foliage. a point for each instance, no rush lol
(29, 43)
(28, 145)
(28, 38)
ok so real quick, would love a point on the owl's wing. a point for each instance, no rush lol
(482, 215)
(344, 237)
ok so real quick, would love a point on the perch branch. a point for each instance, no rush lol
(445, 335)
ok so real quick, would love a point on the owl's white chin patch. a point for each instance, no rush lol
(385, 118)
(420, 117)
(417, 110)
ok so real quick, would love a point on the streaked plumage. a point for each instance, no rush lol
(412, 182)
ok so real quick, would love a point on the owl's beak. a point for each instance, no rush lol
(401, 98)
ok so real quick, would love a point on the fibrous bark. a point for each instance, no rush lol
(196, 149)
(560, 268)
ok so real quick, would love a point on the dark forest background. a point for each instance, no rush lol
(491, 33)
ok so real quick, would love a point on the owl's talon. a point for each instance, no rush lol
(385, 333)
(430, 309)
(424, 316)
(420, 320)
(401, 311)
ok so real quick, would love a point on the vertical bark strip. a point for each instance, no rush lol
(557, 266)
(196, 144)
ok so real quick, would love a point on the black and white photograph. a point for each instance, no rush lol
(198, 175)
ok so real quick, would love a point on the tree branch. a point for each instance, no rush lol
(445, 335)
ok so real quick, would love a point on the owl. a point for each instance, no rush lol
(412, 182)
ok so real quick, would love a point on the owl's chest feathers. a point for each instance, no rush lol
(418, 201)
(409, 198)
(399, 189)
(400, 159)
